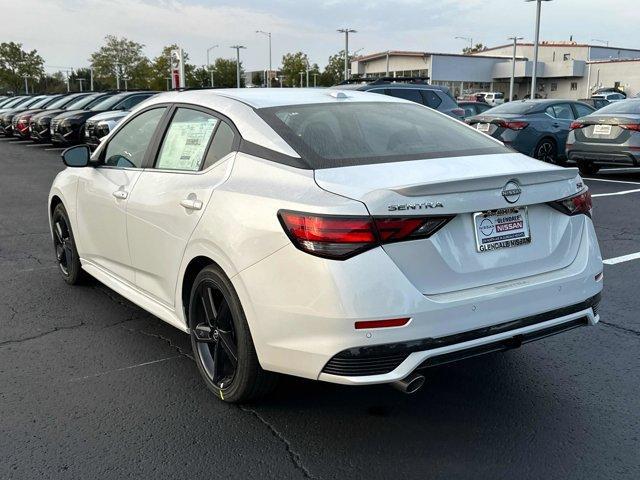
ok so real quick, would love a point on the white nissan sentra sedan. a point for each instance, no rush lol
(347, 237)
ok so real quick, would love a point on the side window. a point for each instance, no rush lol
(551, 112)
(132, 101)
(410, 94)
(221, 145)
(129, 145)
(186, 140)
(563, 111)
(469, 111)
(582, 110)
(431, 99)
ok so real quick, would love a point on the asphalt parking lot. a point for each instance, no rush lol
(92, 386)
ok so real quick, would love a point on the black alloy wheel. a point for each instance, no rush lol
(66, 254)
(222, 344)
(546, 151)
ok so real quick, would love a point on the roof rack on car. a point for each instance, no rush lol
(381, 80)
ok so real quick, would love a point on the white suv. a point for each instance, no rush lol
(347, 237)
(493, 98)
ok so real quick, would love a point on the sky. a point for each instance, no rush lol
(66, 32)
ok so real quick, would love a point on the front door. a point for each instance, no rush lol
(103, 195)
(169, 199)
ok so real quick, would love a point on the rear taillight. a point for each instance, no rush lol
(342, 237)
(576, 125)
(575, 205)
(634, 127)
(458, 111)
(516, 125)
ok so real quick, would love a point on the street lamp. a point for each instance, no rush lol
(346, 32)
(605, 42)
(268, 34)
(536, 42)
(513, 66)
(237, 48)
(468, 39)
(209, 62)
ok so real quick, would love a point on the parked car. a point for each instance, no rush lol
(492, 98)
(414, 89)
(473, 108)
(610, 96)
(68, 127)
(596, 103)
(610, 136)
(538, 128)
(20, 120)
(40, 123)
(14, 102)
(334, 235)
(6, 116)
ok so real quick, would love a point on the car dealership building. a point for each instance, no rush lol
(565, 69)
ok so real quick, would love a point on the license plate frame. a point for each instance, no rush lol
(602, 129)
(512, 235)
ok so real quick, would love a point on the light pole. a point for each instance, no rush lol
(315, 78)
(268, 34)
(80, 80)
(117, 76)
(26, 84)
(91, 77)
(468, 39)
(209, 62)
(513, 66)
(346, 32)
(605, 42)
(535, 46)
(301, 81)
(237, 48)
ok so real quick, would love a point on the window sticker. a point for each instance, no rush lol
(185, 143)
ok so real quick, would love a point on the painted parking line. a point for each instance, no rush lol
(138, 365)
(54, 148)
(612, 181)
(622, 259)
(33, 145)
(624, 192)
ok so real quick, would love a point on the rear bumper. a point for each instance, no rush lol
(604, 154)
(303, 323)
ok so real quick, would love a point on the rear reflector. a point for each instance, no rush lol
(395, 322)
(575, 205)
(512, 125)
(342, 237)
(634, 127)
(576, 125)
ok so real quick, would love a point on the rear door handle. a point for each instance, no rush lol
(191, 204)
(121, 194)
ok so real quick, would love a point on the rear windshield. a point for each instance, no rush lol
(625, 106)
(335, 135)
(514, 107)
(85, 101)
(108, 102)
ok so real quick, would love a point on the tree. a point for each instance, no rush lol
(224, 73)
(200, 77)
(334, 71)
(51, 83)
(478, 48)
(123, 57)
(16, 63)
(292, 65)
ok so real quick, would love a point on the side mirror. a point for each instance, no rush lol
(77, 156)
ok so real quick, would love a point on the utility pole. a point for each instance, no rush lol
(535, 46)
(301, 75)
(346, 32)
(91, 77)
(268, 82)
(237, 48)
(513, 66)
(117, 76)
(468, 39)
(26, 84)
(209, 62)
(315, 78)
(68, 85)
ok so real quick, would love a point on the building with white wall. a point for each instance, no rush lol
(565, 69)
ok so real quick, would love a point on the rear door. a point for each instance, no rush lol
(193, 158)
(561, 124)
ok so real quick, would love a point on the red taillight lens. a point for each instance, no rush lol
(458, 111)
(634, 127)
(341, 237)
(512, 125)
(393, 322)
(576, 125)
(578, 204)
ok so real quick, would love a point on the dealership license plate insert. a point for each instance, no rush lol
(602, 129)
(503, 228)
(483, 127)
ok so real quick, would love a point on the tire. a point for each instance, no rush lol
(546, 151)
(588, 168)
(65, 247)
(219, 331)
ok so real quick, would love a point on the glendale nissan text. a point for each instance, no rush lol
(341, 236)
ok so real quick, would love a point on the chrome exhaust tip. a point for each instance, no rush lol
(410, 384)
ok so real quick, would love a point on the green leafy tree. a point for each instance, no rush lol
(292, 65)
(224, 73)
(334, 71)
(122, 56)
(475, 49)
(16, 63)
(51, 83)
(199, 77)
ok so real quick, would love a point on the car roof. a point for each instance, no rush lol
(271, 97)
